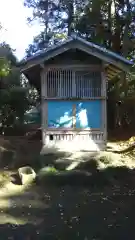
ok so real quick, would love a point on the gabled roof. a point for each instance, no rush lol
(115, 62)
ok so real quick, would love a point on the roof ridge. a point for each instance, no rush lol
(80, 40)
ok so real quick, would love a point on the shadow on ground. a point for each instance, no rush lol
(16, 152)
(100, 208)
(88, 203)
(120, 134)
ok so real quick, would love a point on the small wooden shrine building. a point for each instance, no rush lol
(73, 79)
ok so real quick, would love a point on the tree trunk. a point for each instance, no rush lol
(125, 47)
(109, 22)
(70, 6)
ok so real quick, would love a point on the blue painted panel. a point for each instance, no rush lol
(88, 114)
(60, 114)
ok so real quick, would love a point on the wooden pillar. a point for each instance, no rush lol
(43, 105)
(104, 104)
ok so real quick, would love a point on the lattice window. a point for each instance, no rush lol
(88, 84)
(66, 83)
(59, 84)
(70, 83)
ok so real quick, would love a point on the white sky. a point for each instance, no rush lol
(16, 31)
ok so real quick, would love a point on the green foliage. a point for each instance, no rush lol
(108, 23)
(4, 178)
(4, 67)
(57, 18)
(13, 96)
(7, 59)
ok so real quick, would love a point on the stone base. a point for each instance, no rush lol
(73, 146)
(27, 175)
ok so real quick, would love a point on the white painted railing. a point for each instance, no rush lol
(75, 137)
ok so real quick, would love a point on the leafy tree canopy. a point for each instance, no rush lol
(109, 23)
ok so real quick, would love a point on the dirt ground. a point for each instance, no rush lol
(99, 211)
(99, 206)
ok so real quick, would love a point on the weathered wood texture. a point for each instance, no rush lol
(73, 56)
(74, 80)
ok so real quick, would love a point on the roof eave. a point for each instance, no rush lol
(78, 43)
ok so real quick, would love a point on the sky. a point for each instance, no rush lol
(16, 31)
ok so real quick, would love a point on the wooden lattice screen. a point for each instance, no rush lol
(88, 84)
(73, 83)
